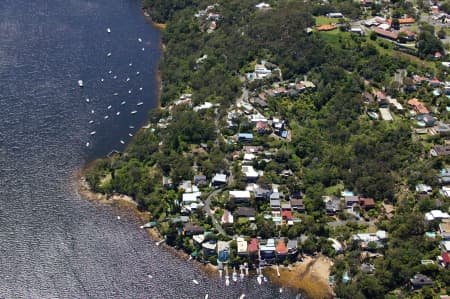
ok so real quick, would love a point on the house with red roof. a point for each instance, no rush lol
(418, 106)
(445, 259)
(281, 248)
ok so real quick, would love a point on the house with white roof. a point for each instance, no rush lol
(240, 196)
(436, 215)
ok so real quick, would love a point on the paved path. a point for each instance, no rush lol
(207, 208)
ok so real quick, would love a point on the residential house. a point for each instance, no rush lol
(298, 205)
(441, 129)
(242, 248)
(326, 27)
(378, 238)
(420, 280)
(367, 268)
(250, 174)
(275, 204)
(445, 246)
(445, 260)
(385, 33)
(418, 106)
(332, 204)
(200, 180)
(281, 249)
(335, 15)
(223, 251)
(267, 251)
(209, 248)
(261, 71)
(425, 120)
(292, 247)
(351, 200)
(253, 247)
(444, 230)
(262, 5)
(191, 229)
(444, 176)
(261, 127)
(440, 151)
(227, 217)
(167, 182)
(239, 196)
(245, 137)
(423, 189)
(245, 212)
(366, 203)
(252, 149)
(436, 215)
(219, 179)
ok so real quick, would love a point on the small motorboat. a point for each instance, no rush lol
(143, 49)
(91, 122)
(102, 80)
(121, 141)
(115, 94)
(140, 103)
(108, 30)
(128, 79)
(115, 77)
(129, 91)
(259, 279)
(195, 281)
(131, 127)
(234, 276)
(118, 217)
(110, 72)
(106, 117)
(150, 276)
(281, 290)
(109, 54)
(227, 280)
(242, 296)
(129, 134)
(109, 107)
(92, 111)
(138, 73)
(80, 83)
(140, 88)
(87, 100)
(265, 279)
(133, 112)
(118, 113)
(130, 64)
(93, 133)
(140, 40)
(123, 103)
(87, 144)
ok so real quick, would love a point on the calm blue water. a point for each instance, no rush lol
(54, 244)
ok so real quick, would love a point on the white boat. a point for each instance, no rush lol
(140, 88)
(80, 83)
(227, 280)
(137, 73)
(128, 79)
(87, 100)
(265, 279)
(259, 279)
(110, 72)
(195, 281)
(118, 217)
(115, 94)
(109, 107)
(123, 103)
(87, 144)
(131, 127)
(91, 121)
(93, 133)
(140, 103)
(242, 296)
(206, 296)
(108, 30)
(106, 117)
(143, 49)
(129, 91)
(140, 40)
(102, 80)
(150, 276)
(92, 111)
(115, 77)
(118, 113)
(121, 141)
(234, 276)
(133, 112)
(109, 54)
(130, 64)
(129, 134)
(281, 290)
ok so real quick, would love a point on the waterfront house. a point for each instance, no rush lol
(241, 246)
(267, 251)
(378, 238)
(209, 247)
(292, 247)
(420, 280)
(445, 257)
(223, 251)
(281, 249)
(191, 229)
